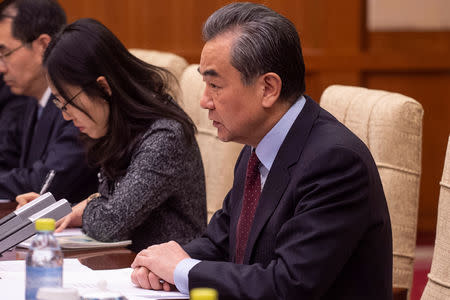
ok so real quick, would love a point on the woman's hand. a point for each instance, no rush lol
(25, 198)
(74, 219)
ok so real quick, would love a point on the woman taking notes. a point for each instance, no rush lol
(151, 184)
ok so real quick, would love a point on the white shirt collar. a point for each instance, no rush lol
(44, 99)
(268, 148)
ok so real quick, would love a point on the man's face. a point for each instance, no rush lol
(234, 108)
(22, 69)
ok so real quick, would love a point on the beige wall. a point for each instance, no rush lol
(407, 15)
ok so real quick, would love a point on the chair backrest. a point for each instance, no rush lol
(218, 157)
(438, 285)
(390, 125)
(172, 62)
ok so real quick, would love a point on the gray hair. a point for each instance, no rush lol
(266, 42)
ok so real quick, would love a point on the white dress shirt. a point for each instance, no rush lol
(43, 102)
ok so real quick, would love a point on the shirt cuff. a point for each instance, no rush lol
(180, 275)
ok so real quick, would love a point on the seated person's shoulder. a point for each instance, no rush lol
(166, 124)
(165, 129)
(330, 135)
(167, 138)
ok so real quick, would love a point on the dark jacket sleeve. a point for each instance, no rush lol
(214, 243)
(11, 114)
(12, 111)
(10, 142)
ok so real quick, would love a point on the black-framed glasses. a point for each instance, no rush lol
(63, 107)
(3, 56)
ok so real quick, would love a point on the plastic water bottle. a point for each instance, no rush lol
(204, 294)
(44, 260)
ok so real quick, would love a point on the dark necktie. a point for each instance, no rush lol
(252, 191)
(38, 116)
(39, 112)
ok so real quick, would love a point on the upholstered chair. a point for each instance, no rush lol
(218, 157)
(438, 285)
(170, 61)
(390, 124)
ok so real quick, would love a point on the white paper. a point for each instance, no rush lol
(70, 232)
(118, 280)
(13, 288)
(85, 280)
(14, 266)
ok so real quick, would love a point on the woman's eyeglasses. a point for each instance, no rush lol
(63, 107)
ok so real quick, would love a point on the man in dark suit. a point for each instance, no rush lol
(43, 141)
(306, 217)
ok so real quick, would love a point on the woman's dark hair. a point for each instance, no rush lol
(85, 50)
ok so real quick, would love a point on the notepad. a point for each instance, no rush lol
(80, 277)
(81, 242)
(74, 239)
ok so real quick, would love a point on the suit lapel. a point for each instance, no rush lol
(42, 132)
(279, 177)
(237, 194)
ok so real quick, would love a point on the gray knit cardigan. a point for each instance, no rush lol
(160, 198)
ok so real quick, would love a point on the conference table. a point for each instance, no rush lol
(107, 259)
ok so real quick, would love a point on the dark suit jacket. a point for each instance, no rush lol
(50, 143)
(11, 108)
(321, 229)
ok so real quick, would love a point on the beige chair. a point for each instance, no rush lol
(218, 157)
(438, 285)
(172, 62)
(391, 126)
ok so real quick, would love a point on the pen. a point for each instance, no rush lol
(47, 182)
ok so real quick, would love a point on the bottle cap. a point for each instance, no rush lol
(45, 224)
(204, 294)
(57, 293)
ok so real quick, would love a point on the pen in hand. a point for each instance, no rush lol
(47, 182)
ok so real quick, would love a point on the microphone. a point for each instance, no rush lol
(24, 228)
(32, 207)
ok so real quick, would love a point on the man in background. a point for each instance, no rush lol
(306, 217)
(44, 141)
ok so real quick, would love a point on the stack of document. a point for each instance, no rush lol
(80, 277)
(74, 239)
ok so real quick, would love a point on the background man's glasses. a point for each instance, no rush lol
(3, 56)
